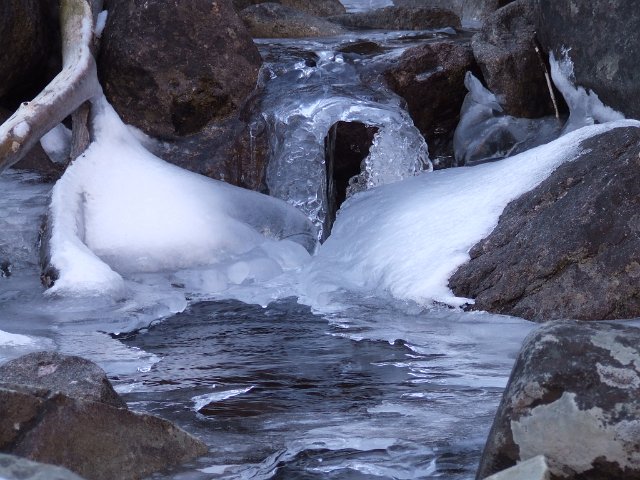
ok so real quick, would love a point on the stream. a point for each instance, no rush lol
(376, 389)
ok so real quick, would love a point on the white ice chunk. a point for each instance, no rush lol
(203, 400)
(101, 21)
(407, 238)
(119, 210)
(57, 143)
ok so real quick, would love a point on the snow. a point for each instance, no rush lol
(57, 143)
(408, 238)
(22, 129)
(118, 210)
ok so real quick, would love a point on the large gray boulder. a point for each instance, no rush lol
(574, 397)
(273, 20)
(430, 77)
(319, 8)
(602, 40)
(399, 18)
(16, 468)
(81, 424)
(471, 11)
(511, 67)
(570, 248)
(170, 69)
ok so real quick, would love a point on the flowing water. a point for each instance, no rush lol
(376, 389)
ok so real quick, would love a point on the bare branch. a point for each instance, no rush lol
(75, 84)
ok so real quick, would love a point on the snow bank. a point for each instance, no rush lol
(407, 238)
(118, 210)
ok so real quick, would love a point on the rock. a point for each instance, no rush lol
(535, 468)
(430, 77)
(73, 376)
(574, 397)
(92, 434)
(171, 70)
(319, 8)
(232, 151)
(16, 468)
(505, 51)
(399, 18)
(272, 20)
(570, 248)
(36, 160)
(468, 10)
(30, 48)
(602, 39)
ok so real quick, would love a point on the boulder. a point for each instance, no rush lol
(574, 397)
(471, 11)
(570, 248)
(92, 433)
(399, 18)
(430, 77)
(272, 20)
(30, 48)
(319, 8)
(171, 70)
(16, 468)
(72, 376)
(513, 70)
(601, 38)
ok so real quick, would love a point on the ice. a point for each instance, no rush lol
(202, 401)
(57, 143)
(354, 6)
(485, 132)
(317, 97)
(118, 210)
(407, 238)
(101, 22)
(585, 106)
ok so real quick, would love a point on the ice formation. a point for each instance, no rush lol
(319, 96)
(118, 210)
(407, 238)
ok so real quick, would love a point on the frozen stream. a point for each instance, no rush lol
(372, 382)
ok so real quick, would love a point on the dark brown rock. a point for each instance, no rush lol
(172, 69)
(570, 248)
(430, 78)
(319, 8)
(467, 10)
(100, 442)
(505, 51)
(399, 18)
(29, 48)
(73, 376)
(16, 468)
(18, 407)
(273, 20)
(602, 38)
(574, 397)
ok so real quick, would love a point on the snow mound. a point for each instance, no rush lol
(119, 210)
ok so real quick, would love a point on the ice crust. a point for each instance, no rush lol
(119, 210)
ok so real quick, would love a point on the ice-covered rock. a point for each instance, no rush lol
(120, 210)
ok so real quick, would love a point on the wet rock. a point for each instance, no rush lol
(430, 78)
(29, 48)
(36, 160)
(92, 434)
(5, 268)
(16, 468)
(171, 70)
(399, 18)
(467, 10)
(234, 151)
(361, 47)
(73, 376)
(505, 51)
(573, 396)
(602, 40)
(272, 20)
(319, 8)
(570, 248)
